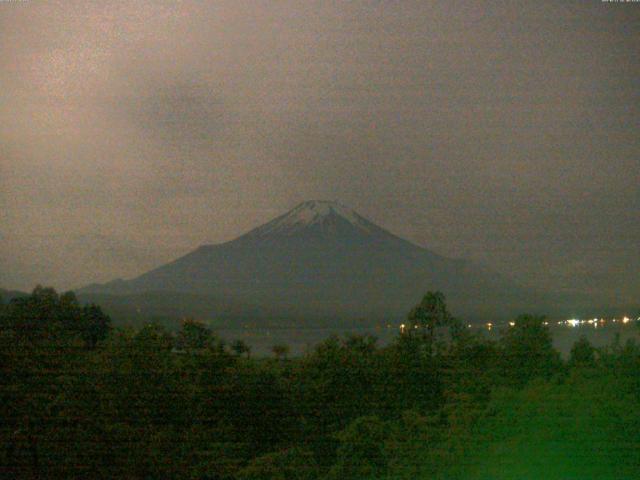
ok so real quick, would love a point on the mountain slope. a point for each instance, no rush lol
(322, 260)
(8, 295)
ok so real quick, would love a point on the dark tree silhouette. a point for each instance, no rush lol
(239, 347)
(194, 335)
(281, 351)
(429, 314)
(582, 353)
(45, 313)
(527, 350)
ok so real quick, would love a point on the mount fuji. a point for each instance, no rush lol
(320, 262)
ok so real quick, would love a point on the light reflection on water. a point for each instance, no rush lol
(300, 339)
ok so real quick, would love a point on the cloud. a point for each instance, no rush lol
(500, 132)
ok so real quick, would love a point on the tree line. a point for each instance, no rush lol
(79, 399)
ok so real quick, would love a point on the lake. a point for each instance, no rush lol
(301, 339)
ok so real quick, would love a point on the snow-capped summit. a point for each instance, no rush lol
(318, 261)
(319, 215)
(314, 210)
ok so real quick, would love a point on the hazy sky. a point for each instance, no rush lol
(504, 132)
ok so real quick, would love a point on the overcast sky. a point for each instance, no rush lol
(504, 132)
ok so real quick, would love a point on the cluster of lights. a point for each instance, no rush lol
(573, 322)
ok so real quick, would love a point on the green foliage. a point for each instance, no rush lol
(410, 376)
(582, 353)
(80, 401)
(586, 427)
(415, 445)
(428, 315)
(194, 336)
(280, 351)
(527, 351)
(45, 314)
(239, 347)
(291, 464)
(361, 453)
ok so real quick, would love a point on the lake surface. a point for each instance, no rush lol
(301, 339)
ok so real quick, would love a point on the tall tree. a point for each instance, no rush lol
(527, 350)
(429, 314)
(582, 353)
(44, 313)
(194, 335)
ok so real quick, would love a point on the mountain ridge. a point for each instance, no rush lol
(323, 260)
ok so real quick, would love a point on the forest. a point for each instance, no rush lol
(80, 398)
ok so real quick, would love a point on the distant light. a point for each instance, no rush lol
(469, 326)
(489, 325)
(512, 324)
(573, 322)
(625, 320)
(545, 323)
